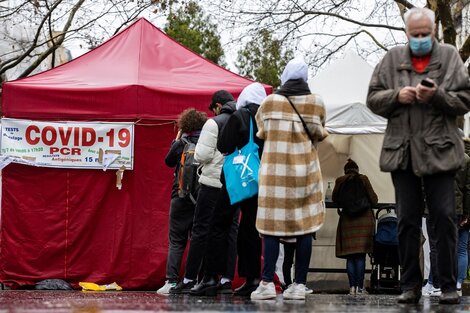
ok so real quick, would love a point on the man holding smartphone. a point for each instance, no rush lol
(421, 88)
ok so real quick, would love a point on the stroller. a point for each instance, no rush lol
(385, 276)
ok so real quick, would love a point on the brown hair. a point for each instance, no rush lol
(191, 119)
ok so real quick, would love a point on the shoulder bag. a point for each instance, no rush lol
(241, 171)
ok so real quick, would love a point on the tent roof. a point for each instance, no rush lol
(343, 87)
(138, 73)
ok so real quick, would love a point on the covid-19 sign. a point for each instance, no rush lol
(68, 144)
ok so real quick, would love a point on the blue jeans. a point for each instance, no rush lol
(462, 255)
(303, 252)
(356, 268)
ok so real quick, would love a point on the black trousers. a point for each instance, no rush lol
(203, 213)
(432, 252)
(180, 224)
(248, 241)
(439, 194)
(231, 254)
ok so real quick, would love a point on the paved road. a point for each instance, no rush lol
(126, 301)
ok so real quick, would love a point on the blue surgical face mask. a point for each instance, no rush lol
(421, 46)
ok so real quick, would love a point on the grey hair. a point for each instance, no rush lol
(415, 13)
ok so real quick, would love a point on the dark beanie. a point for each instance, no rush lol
(351, 166)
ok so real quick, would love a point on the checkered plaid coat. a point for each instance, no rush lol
(290, 199)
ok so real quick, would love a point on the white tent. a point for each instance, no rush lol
(355, 132)
(343, 87)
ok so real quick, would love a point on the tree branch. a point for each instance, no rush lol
(405, 3)
(445, 15)
(465, 49)
(322, 13)
(33, 45)
(55, 44)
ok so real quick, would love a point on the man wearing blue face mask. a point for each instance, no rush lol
(421, 88)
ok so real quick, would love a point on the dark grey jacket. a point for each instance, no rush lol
(427, 131)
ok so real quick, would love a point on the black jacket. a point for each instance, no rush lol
(236, 132)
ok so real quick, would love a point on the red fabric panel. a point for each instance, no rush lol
(139, 73)
(77, 226)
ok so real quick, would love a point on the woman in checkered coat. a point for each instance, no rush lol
(290, 199)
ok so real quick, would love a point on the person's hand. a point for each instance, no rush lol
(407, 95)
(424, 93)
(178, 135)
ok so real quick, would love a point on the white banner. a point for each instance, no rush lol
(99, 145)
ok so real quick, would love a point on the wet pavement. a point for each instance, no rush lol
(126, 301)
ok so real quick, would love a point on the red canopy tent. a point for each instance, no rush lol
(74, 224)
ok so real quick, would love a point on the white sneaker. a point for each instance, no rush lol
(352, 290)
(308, 290)
(165, 290)
(264, 291)
(430, 291)
(295, 292)
(361, 291)
(427, 290)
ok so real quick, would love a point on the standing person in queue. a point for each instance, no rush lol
(290, 199)
(234, 136)
(421, 88)
(190, 123)
(355, 232)
(211, 160)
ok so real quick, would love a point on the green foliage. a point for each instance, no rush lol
(263, 59)
(190, 27)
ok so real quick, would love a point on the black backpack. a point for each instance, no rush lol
(352, 196)
(188, 178)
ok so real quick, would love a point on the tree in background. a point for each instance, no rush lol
(191, 28)
(263, 59)
(324, 28)
(33, 31)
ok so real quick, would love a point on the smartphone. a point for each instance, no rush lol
(427, 83)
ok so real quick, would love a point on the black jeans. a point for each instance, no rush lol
(181, 222)
(248, 242)
(440, 201)
(203, 213)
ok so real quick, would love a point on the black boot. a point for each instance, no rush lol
(182, 288)
(449, 297)
(247, 288)
(225, 288)
(410, 296)
(208, 287)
